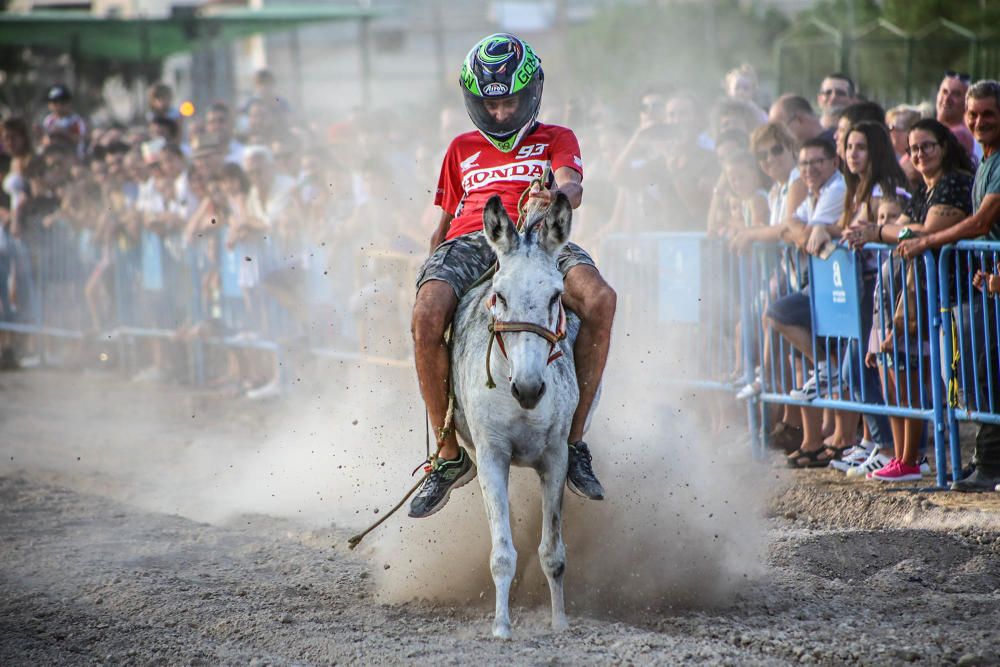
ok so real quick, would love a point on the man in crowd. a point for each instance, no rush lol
(795, 113)
(950, 105)
(835, 92)
(61, 119)
(811, 227)
(982, 116)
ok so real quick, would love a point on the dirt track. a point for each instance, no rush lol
(96, 570)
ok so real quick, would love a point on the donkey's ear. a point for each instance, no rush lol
(553, 233)
(499, 230)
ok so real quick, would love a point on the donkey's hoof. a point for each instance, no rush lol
(560, 624)
(501, 630)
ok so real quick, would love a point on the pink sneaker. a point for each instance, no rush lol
(900, 472)
(893, 462)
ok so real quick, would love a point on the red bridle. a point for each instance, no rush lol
(496, 328)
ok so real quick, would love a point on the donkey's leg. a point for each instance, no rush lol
(494, 469)
(552, 550)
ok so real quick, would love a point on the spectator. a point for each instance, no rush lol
(836, 92)
(160, 103)
(732, 114)
(982, 116)
(950, 107)
(872, 174)
(851, 116)
(900, 120)
(61, 119)
(728, 143)
(740, 83)
(943, 198)
(219, 123)
(774, 147)
(796, 114)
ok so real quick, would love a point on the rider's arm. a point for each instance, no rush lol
(437, 238)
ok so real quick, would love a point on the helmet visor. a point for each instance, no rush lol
(504, 115)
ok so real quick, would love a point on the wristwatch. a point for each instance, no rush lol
(906, 233)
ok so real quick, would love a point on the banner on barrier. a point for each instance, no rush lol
(680, 279)
(836, 294)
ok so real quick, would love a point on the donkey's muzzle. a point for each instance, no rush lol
(528, 396)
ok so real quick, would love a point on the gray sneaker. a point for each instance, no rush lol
(580, 478)
(445, 477)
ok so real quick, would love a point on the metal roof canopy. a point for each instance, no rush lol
(145, 39)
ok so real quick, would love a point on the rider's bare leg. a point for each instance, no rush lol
(432, 313)
(591, 298)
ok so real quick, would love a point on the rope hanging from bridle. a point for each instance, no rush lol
(448, 426)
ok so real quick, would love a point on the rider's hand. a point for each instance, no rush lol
(542, 195)
(871, 360)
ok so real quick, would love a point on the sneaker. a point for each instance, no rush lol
(445, 476)
(580, 478)
(893, 462)
(900, 472)
(875, 461)
(924, 465)
(821, 375)
(853, 457)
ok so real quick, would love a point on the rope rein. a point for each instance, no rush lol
(448, 427)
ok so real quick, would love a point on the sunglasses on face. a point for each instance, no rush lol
(961, 76)
(774, 150)
(921, 149)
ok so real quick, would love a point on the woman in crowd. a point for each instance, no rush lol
(943, 198)
(774, 148)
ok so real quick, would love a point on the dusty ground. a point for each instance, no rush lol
(97, 568)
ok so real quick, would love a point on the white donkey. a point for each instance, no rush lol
(525, 420)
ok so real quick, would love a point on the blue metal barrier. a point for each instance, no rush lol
(841, 332)
(689, 292)
(971, 330)
(123, 290)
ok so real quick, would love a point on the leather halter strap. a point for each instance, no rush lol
(496, 328)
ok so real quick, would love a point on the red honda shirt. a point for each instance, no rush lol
(474, 170)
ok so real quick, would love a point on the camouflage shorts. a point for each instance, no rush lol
(461, 261)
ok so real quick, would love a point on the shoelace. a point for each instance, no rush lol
(584, 454)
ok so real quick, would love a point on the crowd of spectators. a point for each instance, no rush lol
(249, 224)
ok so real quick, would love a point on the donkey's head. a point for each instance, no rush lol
(528, 287)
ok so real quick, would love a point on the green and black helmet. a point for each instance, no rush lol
(502, 67)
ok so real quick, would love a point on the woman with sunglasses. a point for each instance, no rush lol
(943, 198)
(774, 148)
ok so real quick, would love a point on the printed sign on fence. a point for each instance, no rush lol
(679, 279)
(836, 295)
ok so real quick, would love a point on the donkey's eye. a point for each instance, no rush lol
(503, 301)
(554, 299)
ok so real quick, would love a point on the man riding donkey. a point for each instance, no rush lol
(502, 85)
